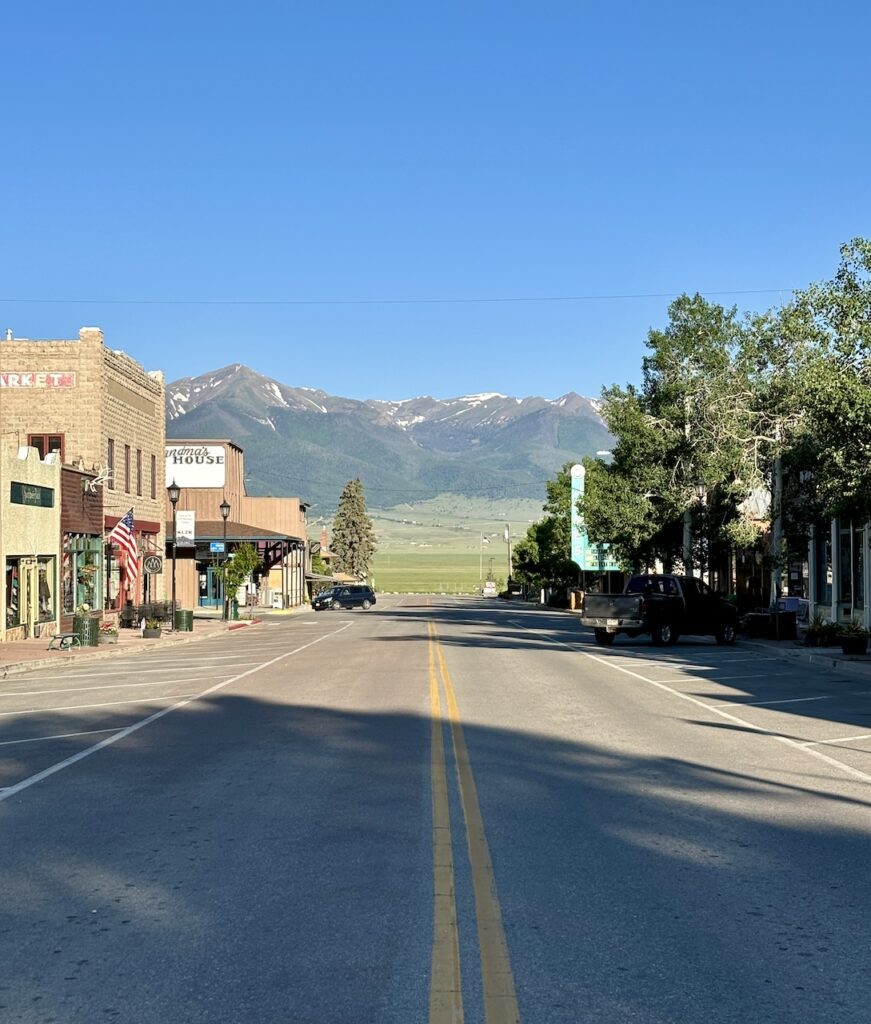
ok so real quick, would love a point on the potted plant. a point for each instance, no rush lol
(818, 630)
(108, 632)
(152, 629)
(853, 637)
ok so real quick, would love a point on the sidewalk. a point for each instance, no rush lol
(24, 655)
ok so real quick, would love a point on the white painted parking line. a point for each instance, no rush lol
(59, 736)
(84, 707)
(111, 686)
(788, 741)
(68, 762)
(105, 675)
(797, 745)
(839, 739)
(790, 700)
(725, 679)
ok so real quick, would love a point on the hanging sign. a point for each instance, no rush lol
(185, 529)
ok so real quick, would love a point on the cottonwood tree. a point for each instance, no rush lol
(353, 538)
(678, 456)
(837, 382)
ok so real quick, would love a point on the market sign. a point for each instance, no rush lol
(185, 529)
(152, 564)
(38, 379)
(590, 557)
(31, 494)
(196, 465)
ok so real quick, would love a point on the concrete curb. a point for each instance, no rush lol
(19, 667)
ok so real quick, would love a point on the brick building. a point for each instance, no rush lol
(102, 411)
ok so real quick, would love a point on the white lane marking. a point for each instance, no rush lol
(128, 730)
(791, 700)
(795, 744)
(723, 679)
(109, 686)
(839, 739)
(59, 736)
(83, 707)
(105, 675)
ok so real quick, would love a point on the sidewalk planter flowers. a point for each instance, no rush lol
(821, 632)
(853, 638)
(152, 629)
(108, 632)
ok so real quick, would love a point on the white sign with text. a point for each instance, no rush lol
(196, 465)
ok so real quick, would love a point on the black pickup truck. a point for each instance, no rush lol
(663, 606)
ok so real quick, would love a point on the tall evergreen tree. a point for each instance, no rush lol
(353, 540)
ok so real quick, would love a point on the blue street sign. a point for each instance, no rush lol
(216, 545)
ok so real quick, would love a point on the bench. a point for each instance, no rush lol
(65, 641)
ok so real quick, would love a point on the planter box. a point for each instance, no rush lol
(151, 634)
(854, 644)
(108, 639)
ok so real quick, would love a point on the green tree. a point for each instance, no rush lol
(678, 459)
(353, 538)
(543, 556)
(238, 569)
(837, 382)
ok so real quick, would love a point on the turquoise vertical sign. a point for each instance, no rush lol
(590, 557)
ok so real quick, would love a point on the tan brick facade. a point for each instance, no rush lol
(90, 396)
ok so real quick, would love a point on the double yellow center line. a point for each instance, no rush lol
(446, 996)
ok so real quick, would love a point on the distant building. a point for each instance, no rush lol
(209, 474)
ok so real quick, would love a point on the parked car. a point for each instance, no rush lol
(663, 606)
(348, 595)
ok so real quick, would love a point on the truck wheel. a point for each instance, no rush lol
(663, 634)
(603, 637)
(726, 633)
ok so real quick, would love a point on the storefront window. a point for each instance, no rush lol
(823, 552)
(45, 589)
(80, 572)
(851, 565)
(13, 593)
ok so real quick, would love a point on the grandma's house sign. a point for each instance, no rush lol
(196, 465)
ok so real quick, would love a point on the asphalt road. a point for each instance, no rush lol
(436, 811)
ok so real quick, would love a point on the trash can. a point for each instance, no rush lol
(234, 610)
(184, 620)
(783, 625)
(88, 628)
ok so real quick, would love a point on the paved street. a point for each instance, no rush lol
(439, 810)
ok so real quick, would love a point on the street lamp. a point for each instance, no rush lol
(174, 492)
(225, 512)
(484, 541)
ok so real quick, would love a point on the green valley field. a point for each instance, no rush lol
(445, 545)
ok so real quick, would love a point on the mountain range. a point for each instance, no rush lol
(308, 443)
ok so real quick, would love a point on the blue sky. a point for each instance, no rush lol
(304, 170)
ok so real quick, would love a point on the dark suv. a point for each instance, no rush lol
(348, 595)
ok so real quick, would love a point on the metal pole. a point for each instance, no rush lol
(224, 576)
(174, 543)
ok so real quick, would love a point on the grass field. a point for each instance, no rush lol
(447, 545)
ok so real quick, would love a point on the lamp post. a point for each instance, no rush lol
(174, 492)
(484, 541)
(225, 512)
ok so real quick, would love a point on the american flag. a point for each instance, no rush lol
(122, 535)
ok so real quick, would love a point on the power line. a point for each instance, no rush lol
(385, 302)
